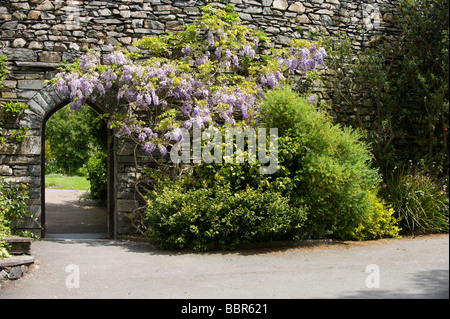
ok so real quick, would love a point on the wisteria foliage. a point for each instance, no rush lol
(215, 71)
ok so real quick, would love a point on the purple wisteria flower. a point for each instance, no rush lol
(311, 99)
(210, 39)
(186, 50)
(126, 130)
(116, 57)
(202, 60)
(187, 124)
(218, 53)
(142, 137)
(149, 147)
(90, 60)
(162, 149)
(235, 60)
(150, 133)
(145, 86)
(186, 109)
(228, 54)
(247, 51)
(62, 86)
(320, 55)
(269, 80)
(177, 134)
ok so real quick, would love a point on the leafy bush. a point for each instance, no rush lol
(324, 185)
(13, 206)
(420, 203)
(325, 165)
(210, 218)
(3, 70)
(380, 223)
(12, 111)
(95, 170)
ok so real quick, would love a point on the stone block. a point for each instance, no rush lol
(32, 120)
(44, 104)
(34, 15)
(5, 170)
(20, 54)
(36, 45)
(280, 4)
(50, 57)
(45, 6)
(126, 205)
(35, 108)
(31, 146)
(31, 84)
(19, 43)
(35, 170)
(297, 7)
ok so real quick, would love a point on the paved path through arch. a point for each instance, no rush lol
(70, 215)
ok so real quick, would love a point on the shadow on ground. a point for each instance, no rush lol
(68, 212)
(432, 284)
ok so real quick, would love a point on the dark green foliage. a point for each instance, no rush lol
(324, 185)
(73, 138)
(95, 170)
(420, 201)
(11, 112)
(13, 207)
(209, 218)
(3, 69)
(401, 83)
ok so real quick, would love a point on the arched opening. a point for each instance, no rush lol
(69, 216)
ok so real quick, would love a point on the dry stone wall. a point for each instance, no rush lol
(37, 35)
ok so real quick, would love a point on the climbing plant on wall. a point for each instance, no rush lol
(10, 111)
(219, 72)
(215, 70)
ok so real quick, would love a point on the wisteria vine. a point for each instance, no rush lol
(216, 71)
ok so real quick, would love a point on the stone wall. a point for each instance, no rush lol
(37, 35)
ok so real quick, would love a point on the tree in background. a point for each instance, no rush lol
(73, 138)
(401, 84)
(76, 144)
(396, 92)
(423, 75)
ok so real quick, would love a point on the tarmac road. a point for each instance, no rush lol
(395, 268)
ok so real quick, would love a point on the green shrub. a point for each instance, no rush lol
(4, 231)
(208, 218)
(3, 69)
(324, 185)
(420, 203)
(96, 174)
(325, 165)
(380, 223)
(13, 206)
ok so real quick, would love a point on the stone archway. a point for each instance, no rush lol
(41, 107)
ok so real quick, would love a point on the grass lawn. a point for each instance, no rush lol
(67, 182)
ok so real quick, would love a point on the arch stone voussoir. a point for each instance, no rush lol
(49, 98)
